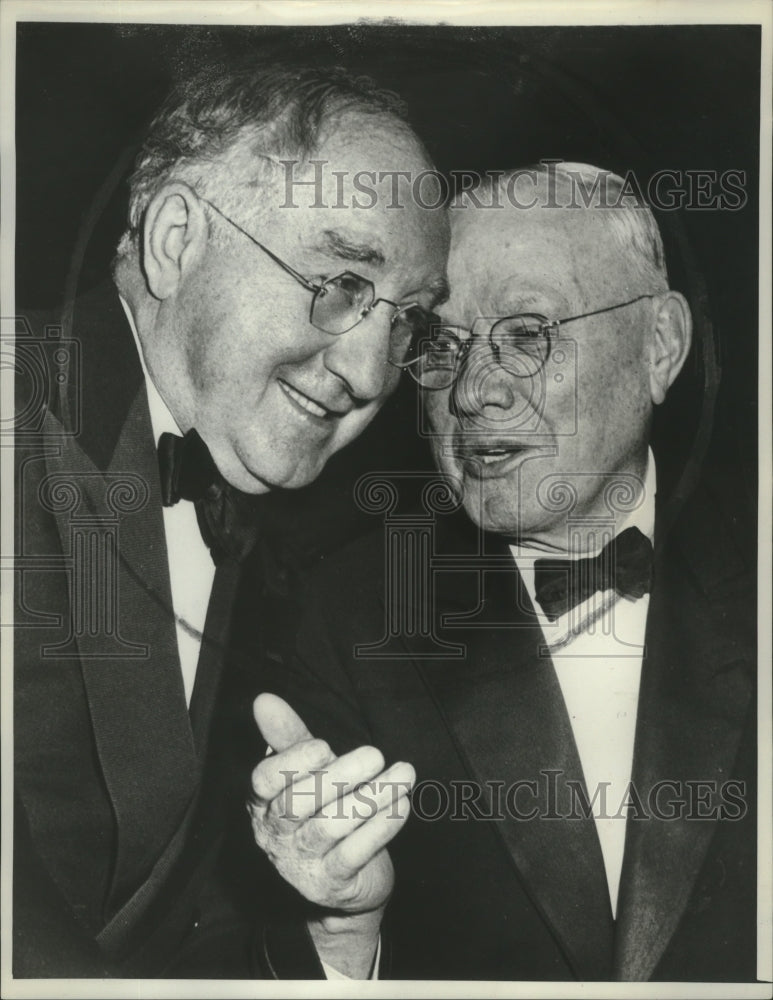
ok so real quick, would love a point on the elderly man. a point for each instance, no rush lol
(569, 667)
(252, 330)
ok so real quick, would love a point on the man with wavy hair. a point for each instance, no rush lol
(254, 326)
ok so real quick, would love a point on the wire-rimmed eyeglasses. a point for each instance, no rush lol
(521, 344)
(338, 304)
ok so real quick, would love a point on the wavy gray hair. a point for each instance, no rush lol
(225, 122)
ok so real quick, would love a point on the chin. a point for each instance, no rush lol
(489, 513)
(254, 486)
(298, 476)
(500, 512)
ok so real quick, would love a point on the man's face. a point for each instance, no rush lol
(511, 440)
(273, 396)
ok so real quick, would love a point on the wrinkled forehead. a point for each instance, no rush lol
(369, 162)
(369, 175)
(496, 250)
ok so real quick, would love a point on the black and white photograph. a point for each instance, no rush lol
(387, 476)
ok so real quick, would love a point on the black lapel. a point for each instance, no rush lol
(696, 688)
(212, 655)
(105, 373)
(504, 709)
(130, 666)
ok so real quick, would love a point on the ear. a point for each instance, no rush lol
(173, 238)
(670, 343)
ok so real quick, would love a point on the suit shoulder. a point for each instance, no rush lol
(412, 535)
(351, 572)
(716, 531)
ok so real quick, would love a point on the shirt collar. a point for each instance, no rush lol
(643, 518)
(161, 418)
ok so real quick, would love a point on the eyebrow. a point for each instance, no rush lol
(515, 305)
(335, 243)
(522, 302)
(440, 292)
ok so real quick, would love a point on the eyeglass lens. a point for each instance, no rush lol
(519, 343)
(343, 301)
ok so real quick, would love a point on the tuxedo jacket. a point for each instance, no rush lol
(447, 670)
(124, 799)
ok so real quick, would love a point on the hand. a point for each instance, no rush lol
(324, 822)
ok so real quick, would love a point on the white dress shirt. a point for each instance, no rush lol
(596, 650)
(191, 569)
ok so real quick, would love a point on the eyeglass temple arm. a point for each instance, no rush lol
(598, 312)
(277, 260)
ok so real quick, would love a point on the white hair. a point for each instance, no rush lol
(618, 202)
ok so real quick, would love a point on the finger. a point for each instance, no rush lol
(341, 817)
(274, 773)
(355, 851)
(279, 724)
(311, 793)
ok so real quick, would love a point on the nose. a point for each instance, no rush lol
(360, 357)
(483, 389)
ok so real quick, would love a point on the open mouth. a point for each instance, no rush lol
(491, 454)
(305, 402)
(494, 459)
(494, 455)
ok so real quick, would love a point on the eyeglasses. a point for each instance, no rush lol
(340, 303)
(520, 344)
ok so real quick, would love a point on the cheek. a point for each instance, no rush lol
(249, 331)
(436, 413)
(353, 425)
(228, 375)
(613, 405)
(440, 457)
(441, 425)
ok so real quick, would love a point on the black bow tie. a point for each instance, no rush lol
(227, 517)
(623, 565)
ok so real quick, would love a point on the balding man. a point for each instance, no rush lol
(578, 706)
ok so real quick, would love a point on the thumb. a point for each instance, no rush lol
(280, 726)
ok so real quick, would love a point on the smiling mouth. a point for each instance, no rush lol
(305, 402)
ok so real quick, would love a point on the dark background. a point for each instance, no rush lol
(626, 98)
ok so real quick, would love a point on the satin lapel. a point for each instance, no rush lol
(696, 687)
(124, 634)
(166, 884)
(213, 649)
(505, 711)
